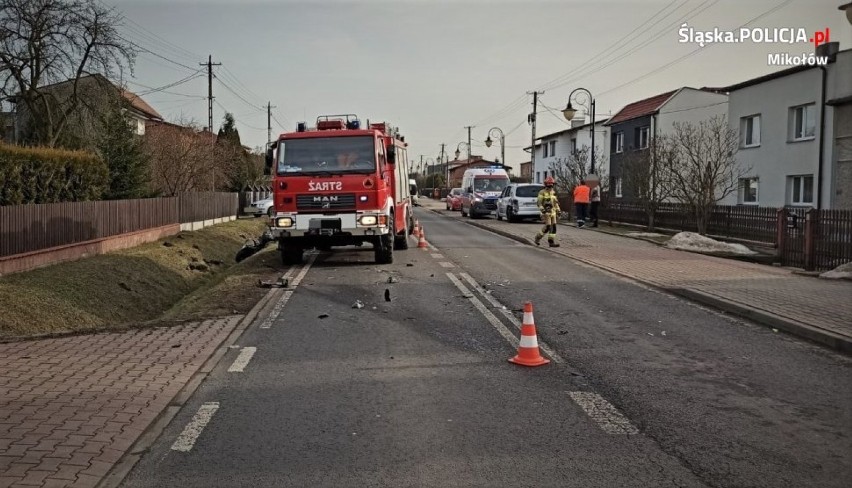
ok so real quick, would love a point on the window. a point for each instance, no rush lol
(802, 122)
(642, 137)
(801, 189)
(544, 149)
(618, 188)
(748, 191)
(619, 142)
(750, 131)
(538, 177)
(553, 148)
(574, 145)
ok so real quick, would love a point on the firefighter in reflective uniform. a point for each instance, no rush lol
(548, 205)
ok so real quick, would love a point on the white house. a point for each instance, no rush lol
(795, 130)
(555, 147)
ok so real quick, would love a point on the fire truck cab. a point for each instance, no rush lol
(338, 184)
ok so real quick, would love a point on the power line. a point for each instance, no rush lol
(624, 38)
(603, 63)
(696, 50)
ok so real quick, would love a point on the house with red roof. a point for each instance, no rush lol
(94, 93)
(633, 128)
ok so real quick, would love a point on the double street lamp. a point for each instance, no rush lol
(586, 101)
(502, 143)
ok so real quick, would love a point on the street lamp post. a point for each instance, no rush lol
(589, 103)
(502, 143)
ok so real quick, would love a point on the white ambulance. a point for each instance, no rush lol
(481, 189)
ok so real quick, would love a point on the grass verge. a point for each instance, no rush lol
(189, 276)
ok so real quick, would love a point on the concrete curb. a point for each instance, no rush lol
(813, 334)
(122, 468)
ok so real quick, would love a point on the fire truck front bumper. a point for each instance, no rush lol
(329, 225)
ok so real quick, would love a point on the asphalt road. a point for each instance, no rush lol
(644, 390)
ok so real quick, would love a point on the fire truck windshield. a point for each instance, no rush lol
(324, 155)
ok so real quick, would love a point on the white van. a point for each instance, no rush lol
(412, 190)
(481, 188)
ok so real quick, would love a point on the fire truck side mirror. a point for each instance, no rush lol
(267, 170)
(391, 154)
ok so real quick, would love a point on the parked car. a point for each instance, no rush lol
(454, 199)
(518, 201)
(260, 207)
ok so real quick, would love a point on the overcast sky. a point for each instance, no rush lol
(433, 67)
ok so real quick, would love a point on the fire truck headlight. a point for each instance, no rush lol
(284, 222)
(368, 220)
(363, 198)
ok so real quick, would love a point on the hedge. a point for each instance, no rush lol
(46, 175)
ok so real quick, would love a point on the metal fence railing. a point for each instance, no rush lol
(803, 238)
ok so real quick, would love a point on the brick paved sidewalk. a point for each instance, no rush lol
(70, 407)
(817, 303)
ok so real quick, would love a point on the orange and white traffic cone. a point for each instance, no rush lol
(422, 244)
(416, 232)
(528, 352)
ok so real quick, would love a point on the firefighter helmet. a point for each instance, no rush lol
(549, 181)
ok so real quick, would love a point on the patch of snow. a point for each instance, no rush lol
(644, 234)
(842, 272)
(690, 241)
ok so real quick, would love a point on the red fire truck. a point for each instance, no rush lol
(338, 184)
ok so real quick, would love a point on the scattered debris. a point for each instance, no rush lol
(663, 333)
(124, 285)
(175, 346)
(252, 246)
(392, 279)
(167, 244)
(195, 246)
(774, 330)
(214, 262)
(199, 267)
(387, 295)
(358, 304)
(409, 265)
(562, 332)
(322, 316)
(432, 275)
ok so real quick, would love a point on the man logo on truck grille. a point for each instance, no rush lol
(326, 199)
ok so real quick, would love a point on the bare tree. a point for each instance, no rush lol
(183, 158)
(568, 171)
(705, 168)
(45, 42)
(647, 175)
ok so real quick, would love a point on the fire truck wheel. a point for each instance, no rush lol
(400, 241)
(383, 246)
(292, 255)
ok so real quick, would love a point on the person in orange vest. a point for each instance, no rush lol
(581, 202)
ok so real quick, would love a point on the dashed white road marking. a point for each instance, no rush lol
(513, 341)
(186, 439)
(242, 360)
(438, 256)
(447, 264)
(276, 311)
(603, 413)
(506, 313)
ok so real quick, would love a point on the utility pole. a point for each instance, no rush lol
(531, 120)
(468, 127)
(446, 165)
(269, 108)
(210, 64)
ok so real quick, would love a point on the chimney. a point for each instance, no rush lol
(829, 49)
